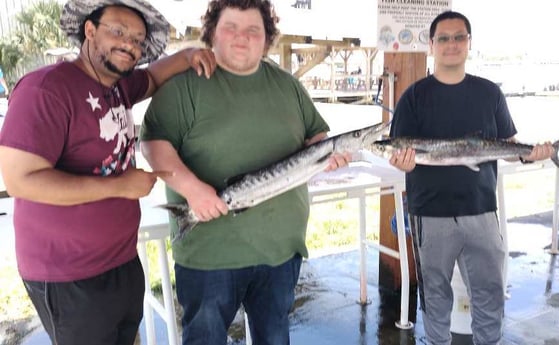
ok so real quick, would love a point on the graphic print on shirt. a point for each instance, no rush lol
(115, 125)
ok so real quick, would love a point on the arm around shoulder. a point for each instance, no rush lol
(203, 60)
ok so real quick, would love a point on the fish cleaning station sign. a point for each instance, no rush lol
(403, 25)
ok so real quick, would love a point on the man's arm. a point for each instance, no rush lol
(31, 177)
(159, 71)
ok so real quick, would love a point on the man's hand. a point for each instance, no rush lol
(204, 202)
(137, 183)
(202, 60)
(540, 152)
(403, 159)
(338, 160)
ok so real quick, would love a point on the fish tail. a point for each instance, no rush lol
(186, 219)
(555, 157)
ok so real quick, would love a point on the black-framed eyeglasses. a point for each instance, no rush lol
(123, 35)
(458, 38)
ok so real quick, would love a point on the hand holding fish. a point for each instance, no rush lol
(338, 160)
(253, 188)
(204, 202)
(403, 159)
(467, 151)
(540, 152)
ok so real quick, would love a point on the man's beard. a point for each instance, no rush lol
(113, 68)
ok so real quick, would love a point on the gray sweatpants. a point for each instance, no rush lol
(476, 243)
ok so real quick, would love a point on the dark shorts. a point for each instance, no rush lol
(105, 309)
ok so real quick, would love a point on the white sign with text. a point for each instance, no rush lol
(403, 25)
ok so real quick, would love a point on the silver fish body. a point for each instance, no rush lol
(279, 177)
(468, 151)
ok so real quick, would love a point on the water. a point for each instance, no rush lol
(536, 118)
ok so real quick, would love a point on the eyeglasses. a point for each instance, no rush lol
(458, 38)
(123, 35)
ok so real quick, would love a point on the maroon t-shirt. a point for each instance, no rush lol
(61, 114)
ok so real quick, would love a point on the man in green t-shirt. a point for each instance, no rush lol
(249, 114)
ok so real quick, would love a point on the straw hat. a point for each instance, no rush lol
(75, 12)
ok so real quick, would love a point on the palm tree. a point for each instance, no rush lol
(38, 30)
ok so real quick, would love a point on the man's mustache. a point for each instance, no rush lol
(126, 52)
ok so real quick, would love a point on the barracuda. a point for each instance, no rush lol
(470, 151)
(286, 174)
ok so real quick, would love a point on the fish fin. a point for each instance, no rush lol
(555, 157)
(239, 211)
(324, 158)
(185, 226)
(176, 209)
(186, 219)
(473, 167)
(234, 179)
(474, 135)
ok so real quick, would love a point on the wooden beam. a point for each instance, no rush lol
(312, 57)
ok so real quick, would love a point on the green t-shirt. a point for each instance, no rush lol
(226, 126)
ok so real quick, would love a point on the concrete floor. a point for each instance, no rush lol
(331, 314)
(327, 311)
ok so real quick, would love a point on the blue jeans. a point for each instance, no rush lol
(210, 300)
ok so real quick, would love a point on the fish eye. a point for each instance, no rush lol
(357, 134)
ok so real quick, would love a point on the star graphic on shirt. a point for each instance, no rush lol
(94, 101)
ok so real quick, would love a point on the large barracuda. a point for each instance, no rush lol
(286, 174)
(468, 151)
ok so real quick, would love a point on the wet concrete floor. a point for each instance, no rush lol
(328, 311)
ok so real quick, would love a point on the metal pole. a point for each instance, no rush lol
(148, 311)
(404, 323)
(363, 248)
(167, 293)
(503, 227)
(555, 228)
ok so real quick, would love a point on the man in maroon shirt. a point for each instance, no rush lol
(67, 157)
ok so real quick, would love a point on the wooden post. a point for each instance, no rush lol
(407, 68)
(285, 56)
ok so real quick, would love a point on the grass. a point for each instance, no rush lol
(332, 227)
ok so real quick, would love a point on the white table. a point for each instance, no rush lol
(376, 176)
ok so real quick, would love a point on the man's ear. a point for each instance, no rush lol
(89, 29)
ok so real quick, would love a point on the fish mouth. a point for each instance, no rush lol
(374, 133)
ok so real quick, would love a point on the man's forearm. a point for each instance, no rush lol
(54, 187)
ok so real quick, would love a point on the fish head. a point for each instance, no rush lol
(369, 135)
(358, 139)
(383, 148)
